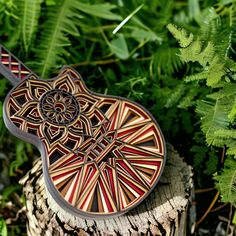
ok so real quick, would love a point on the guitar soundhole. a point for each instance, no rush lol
(59, 107)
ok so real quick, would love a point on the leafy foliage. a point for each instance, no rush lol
(59, 25)
(30, 13)
(217, 111)
(124, 48)
(226, 182)
(213, 117)
(3, 227)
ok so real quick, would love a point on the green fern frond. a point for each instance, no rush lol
(232, 113)
(227, 90)
(226, 133)
(189, 99)
(214, 116)
(182, 96)
(197, 52)
(62, 21)
(175, 96)
(181, 35)
(207, 51)
(231, 149)
(215, 73)
(226, 181)
(166, 60)
(53, 39)
(227, 137)
(217, 31)
(195, 77)
(30, 13)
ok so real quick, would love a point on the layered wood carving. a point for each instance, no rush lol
(11, 67)
(103, 154)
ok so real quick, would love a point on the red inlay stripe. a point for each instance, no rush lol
(154, 163)
(112, 183)
(75, 185)
(86, 198)
(5, 59)
(134, 151)
(106, 197)
(62, 175)
(15, 67)
(113, 120)
(122, 163)
(129, 131)
(135, 188)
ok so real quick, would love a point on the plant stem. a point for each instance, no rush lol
(219, 207)
(209, 208)
(204, 190)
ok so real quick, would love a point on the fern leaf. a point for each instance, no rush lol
(227, 92)
(226, 133)
(231, 149)
(226, 182)
(232, 113)
(62, 20)
(214, 116)
(207, 51)
(211, 165)
(197, 76)
(220, 35)
(175, 96)
(227, 137)
(53, 39)
(197, 52)
(189, 99)
(181, 35)
(227, 89)
(30, 12)
(166, 60)
(215, 73)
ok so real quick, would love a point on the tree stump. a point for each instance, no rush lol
(163, 212)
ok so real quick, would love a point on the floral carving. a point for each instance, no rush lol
(104, 154)
(59, 107)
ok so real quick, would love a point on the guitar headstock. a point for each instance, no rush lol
(12, 68)
(102, 155)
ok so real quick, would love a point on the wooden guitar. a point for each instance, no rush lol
(102, 155)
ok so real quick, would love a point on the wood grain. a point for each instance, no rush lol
(163, 212)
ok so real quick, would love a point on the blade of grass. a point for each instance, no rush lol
(127, 19)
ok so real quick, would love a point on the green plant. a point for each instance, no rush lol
(3, 227)
(210, 49)
(124, 48)
(47, 34)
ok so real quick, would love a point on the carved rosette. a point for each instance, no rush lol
(104, 154)
(59, 107)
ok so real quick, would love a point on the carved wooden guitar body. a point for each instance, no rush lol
(102, 155)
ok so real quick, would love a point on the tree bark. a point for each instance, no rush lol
(164, 212)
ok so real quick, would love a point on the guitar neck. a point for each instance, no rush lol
(12, 68)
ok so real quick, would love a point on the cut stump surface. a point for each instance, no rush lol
(163, 212)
